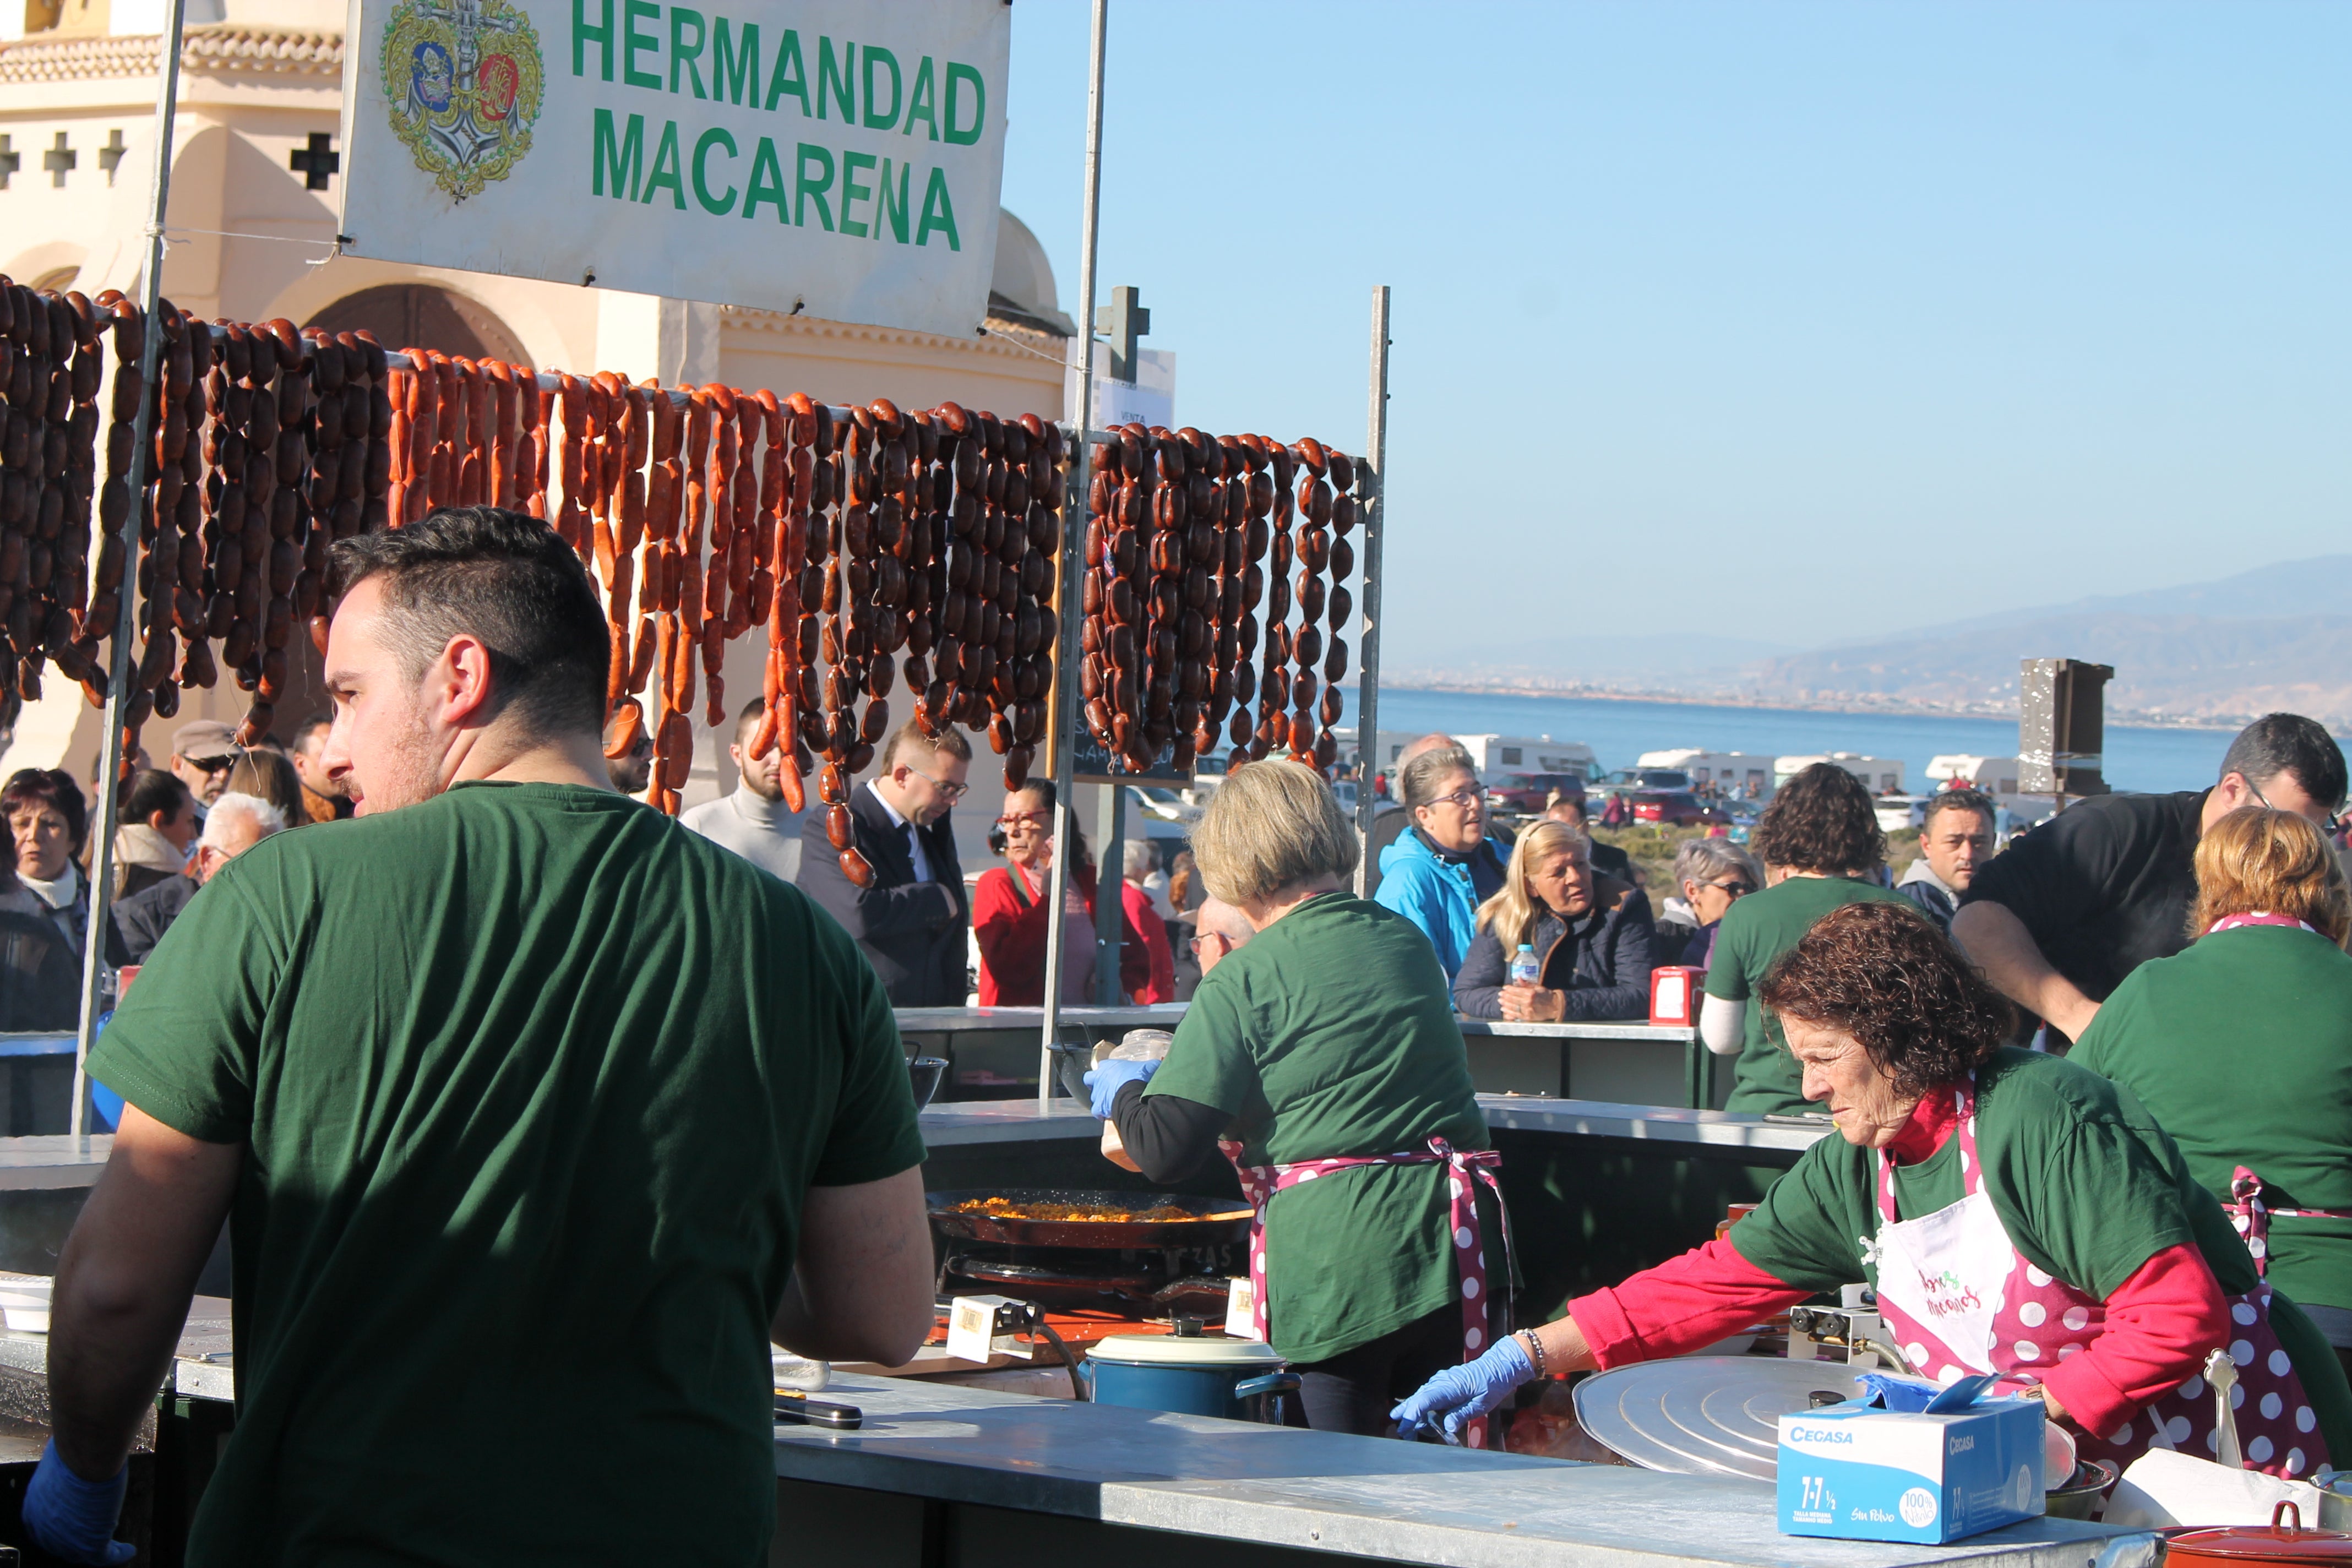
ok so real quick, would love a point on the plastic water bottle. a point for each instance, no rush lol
(1525, 970)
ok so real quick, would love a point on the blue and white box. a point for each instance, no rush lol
(1860, 1472)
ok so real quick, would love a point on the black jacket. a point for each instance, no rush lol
(1601, 959)
(140, 919)
(912, 933)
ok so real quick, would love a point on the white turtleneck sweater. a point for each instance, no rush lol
(759, 830)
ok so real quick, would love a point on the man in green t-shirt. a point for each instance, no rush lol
(540, 1116)
(1818, 839)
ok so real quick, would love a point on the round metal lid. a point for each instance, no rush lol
(1185, 1350)
(1705, 1416)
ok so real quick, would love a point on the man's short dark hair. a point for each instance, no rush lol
(502, 577)
(950, 743)
(154, 790)
(747, 723)
(1974, 800)
(2279, 743)
(1822, 820)
(306, 733)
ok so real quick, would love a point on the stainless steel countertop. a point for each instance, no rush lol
(974, 1020)
(1020, 1121)
(1321, 1491)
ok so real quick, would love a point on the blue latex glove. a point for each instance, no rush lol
(1447, 1401)
(1109, 1078)
(72, 1519)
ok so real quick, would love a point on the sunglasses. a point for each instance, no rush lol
(1737, 889)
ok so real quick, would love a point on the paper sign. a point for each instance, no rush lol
(1240, 1309)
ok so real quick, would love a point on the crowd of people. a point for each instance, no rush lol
(511, 1075)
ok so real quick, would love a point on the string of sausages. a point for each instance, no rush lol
(266, 445)
(1188, 535)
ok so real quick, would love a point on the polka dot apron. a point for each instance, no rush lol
(1959, 1298)
(2246, 1209)
(1466, 1168)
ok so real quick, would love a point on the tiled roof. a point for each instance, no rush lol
(223, 50)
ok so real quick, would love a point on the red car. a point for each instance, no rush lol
(1523, 794)
(1675, 807)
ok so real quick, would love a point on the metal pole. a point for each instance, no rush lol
(117, 675)
(1073, 566)
(1373, 509)
(1110, 893)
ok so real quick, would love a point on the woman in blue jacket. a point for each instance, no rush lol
(1441, 869)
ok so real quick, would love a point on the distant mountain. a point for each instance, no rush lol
(2215, 652)
(2220, 651)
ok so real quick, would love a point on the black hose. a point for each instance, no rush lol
(1038, 1321)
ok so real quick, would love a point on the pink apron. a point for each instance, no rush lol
(2247, 1211)
(1260, 1183)
(1959, 1298)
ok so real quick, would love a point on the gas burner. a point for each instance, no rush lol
(1137, 1283)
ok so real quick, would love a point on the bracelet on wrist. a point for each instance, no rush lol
(1535, 1351)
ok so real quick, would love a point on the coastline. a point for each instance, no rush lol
(2125, 719)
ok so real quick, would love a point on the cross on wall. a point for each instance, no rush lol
(111, 156)
(58, 159)
(10, 160)
(1123, 321)
(318, 163)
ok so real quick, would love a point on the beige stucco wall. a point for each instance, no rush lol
(256, 88)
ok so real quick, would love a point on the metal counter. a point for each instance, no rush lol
(955, 1475)
(995, 1050)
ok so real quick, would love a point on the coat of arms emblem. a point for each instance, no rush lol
(463, 82)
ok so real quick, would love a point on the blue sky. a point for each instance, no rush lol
(1791, 322)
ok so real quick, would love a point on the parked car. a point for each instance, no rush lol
(1675, 808)
(1648, 779)
(1162, 803)
(1523, 794)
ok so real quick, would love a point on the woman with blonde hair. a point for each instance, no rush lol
(1324, 1059)
(1590, 935)
(2242, 1048)
(267, 776)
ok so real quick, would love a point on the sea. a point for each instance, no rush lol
(1619, 732)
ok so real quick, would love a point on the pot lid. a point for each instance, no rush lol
(2281, 1540)
(1190, 1350)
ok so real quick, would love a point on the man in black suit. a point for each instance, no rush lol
(911, 922)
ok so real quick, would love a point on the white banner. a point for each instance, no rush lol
(837, 158)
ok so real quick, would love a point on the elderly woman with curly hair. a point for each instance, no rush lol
(1818, 840)
(2241, 1046)
(2016, 1213)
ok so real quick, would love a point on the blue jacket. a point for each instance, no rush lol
(1436, 894)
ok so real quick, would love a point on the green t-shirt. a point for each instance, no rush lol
(1332, 1034)
(532, 1083)
(2086, 1183)
(1755, 932)
(2242, 1047)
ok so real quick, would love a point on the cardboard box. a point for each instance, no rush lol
(1858, 1471)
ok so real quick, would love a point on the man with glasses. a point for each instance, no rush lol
(2104, 886)
(202, 752)
(912, 920)
(1224, 929)
(1955, 839)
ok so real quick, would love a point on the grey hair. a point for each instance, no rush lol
(1271, 826)
(1141, 855)
(1704, 860)
(1417, 780)
(264, 815)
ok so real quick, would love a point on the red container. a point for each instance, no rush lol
(1673, 995)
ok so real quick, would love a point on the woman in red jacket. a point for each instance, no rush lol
(1008, 914)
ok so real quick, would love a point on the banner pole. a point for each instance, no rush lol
(117, 675)
(1375, 517)
(1070, 597)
